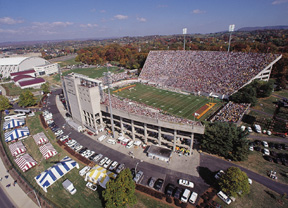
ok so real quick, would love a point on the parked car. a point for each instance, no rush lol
(91, 186)
(83, 150)
(151, 182)
(186, 183)
(268, 158)
(84, 170)
(92, 156)
(265, 144)
(271, 145)
(257, 148)
(97, 158)
(193, 198)
(113, 165)
(185, 195)
(278, 146)
(139, 175)
(102, 162)
(158, 184)
(219, 173)
(272, 153)
(251, 148)
(107, 163)
(78, 148)
(120, 168)
(266, 151)
(178, 192)
(169, 189)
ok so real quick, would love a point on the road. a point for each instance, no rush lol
(4, 200)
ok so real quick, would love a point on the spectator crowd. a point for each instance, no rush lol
(144, 110)
(232, 112)
(204, 71)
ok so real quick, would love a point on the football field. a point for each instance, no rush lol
(174, 103)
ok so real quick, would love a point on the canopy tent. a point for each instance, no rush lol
(20, 133)
(13, 123)
(25, 162)
(17, 149)
(40, 138)
(99, 175)
(52, 174)
(47, 150)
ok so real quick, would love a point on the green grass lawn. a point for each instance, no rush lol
(258, 164)
(174, 103)
(12, 90)
(90, 72)
(68, 62)
(259, 196)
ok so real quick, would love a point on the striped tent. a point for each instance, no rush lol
(13, 123)
(25, 162)
(99, 175)
(47, 150)
(20, 133)
(52, 174)
(17, 149)
(40, 138)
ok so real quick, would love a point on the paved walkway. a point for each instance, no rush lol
(16, 195)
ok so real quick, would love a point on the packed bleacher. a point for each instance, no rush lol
(144, 110)
(231, 112)
(204, 71)
(115, 77)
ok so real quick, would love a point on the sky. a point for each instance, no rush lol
(31, 20)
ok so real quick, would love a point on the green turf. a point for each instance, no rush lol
(91, 72)
(174, 103)
(69, 62)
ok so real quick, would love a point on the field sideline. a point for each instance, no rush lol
(172, 102)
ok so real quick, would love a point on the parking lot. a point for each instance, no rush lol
(184, 167)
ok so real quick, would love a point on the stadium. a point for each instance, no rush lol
(174, 92)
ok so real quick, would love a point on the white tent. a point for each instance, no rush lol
(52, 174)
(40, 138)
(99, 175)
(20, 133)
(17, 149)
(13, 123)
(47, 150)
(25, 162)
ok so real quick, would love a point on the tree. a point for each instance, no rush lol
(234, 182)
(4, 103)
(226, 140)
(121, 191)
(45, 87)
(27, 99)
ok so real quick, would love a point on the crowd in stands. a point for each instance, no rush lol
(115, 77)
(144, 110)
(232, 112)
(204, 71)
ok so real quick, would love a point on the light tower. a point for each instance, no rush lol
(184, 33)
(231, 29)
(108, 79)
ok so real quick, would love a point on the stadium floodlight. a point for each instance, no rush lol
(231, 29)
(109, 80)
(184, 33)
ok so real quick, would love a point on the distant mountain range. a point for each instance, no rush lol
(279, 27)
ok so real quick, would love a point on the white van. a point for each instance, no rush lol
(111, 141)
(224, 197)
(100, 139)
(130, 144)
(193, 198)
(185, 195)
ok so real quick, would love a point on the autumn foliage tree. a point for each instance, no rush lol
(4, 103)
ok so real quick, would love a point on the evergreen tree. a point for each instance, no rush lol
(121, 191)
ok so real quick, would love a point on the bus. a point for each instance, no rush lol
(16, 116)
(25, 111)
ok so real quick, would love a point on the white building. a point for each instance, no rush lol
(47, 69)
(17, 64)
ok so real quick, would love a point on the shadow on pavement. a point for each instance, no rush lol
(207, 175)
